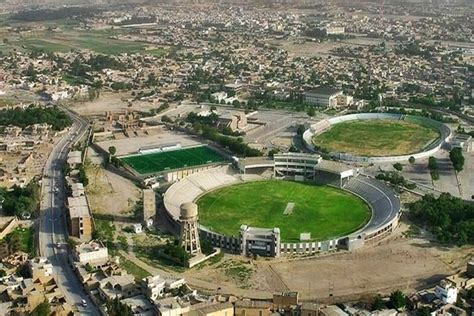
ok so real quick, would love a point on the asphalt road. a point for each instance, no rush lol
(52, 225)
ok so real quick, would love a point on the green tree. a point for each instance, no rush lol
(457, 159)
(378, 303)
(433, 166)
(117, 308)
(397, 299)
(83, 176)
(423, 311)
(300, 130)
(31, 72)
(13, 242)
(398, 166)
(112, 152)
(470, 293)
(43, 309)
(311, 112)
(411, 160)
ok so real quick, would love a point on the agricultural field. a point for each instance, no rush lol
(294, 207)
(169, 160)
(376, 138)
(63, 42)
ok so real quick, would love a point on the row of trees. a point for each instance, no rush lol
(206, 126)
(396, 179)
(449, 218)
(397, 300)
(234, 144)
(54, 14)
(34, 115)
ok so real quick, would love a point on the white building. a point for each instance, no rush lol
(334, 30)
(296, 164)
(219, 96)
(137, 228)
(260, 241)
(153, 287)
(93, 253)
(74, 159)
(446, 292)
(323, 96)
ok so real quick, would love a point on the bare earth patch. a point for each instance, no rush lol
(111, 101)
(396, 263)
(109, 193)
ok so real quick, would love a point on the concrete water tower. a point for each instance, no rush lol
(189, 236)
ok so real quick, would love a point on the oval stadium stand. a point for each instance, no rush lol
(429, 150)
(382, 200)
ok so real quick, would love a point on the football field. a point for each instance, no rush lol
(294, 207)
(175, 159)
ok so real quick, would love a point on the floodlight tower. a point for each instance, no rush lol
(189, 235)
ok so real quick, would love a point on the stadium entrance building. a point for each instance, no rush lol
(334, 173)
(296, 164)
(260, 241)
(253, 165)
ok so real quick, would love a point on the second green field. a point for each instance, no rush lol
(376, 137)
(325, 212)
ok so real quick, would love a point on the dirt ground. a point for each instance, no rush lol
(314, 49)
(9, 162)
(109, 193)
(131, 145)
(396, 263)
(111, 101)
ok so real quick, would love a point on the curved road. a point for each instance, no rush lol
(52, 223)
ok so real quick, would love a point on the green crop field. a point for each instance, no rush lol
(102, 42)
(376, 138)
(157, 162)
(323, 211)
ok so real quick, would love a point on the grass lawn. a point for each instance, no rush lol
(323, 211)
(156, 162)
(133, 269)
(376, 137)
(61, 42)
(26, 238)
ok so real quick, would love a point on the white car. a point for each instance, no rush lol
(83, 303)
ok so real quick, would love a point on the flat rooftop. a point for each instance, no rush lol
(332, 166)
(324, 90)
(78, 206)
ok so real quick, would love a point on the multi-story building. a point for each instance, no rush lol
(296, 164)
(79, 218)
(153, 287)
(323, 96)
(447, 292)
(253, 308)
